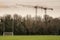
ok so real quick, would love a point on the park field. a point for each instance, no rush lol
(35, 37)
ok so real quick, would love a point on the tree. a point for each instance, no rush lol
(18, 27)
(8, 23)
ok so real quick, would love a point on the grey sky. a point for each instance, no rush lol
(26, 10)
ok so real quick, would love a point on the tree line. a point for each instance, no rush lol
(30, 25)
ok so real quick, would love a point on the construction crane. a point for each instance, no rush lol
(36, 7)
(45, 9)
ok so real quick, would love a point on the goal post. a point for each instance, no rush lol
(7, 33)
(10, 31)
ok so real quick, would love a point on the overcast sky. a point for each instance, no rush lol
(55, 4)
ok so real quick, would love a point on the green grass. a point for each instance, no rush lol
(45, 37)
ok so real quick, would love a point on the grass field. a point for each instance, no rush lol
(45, 37)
